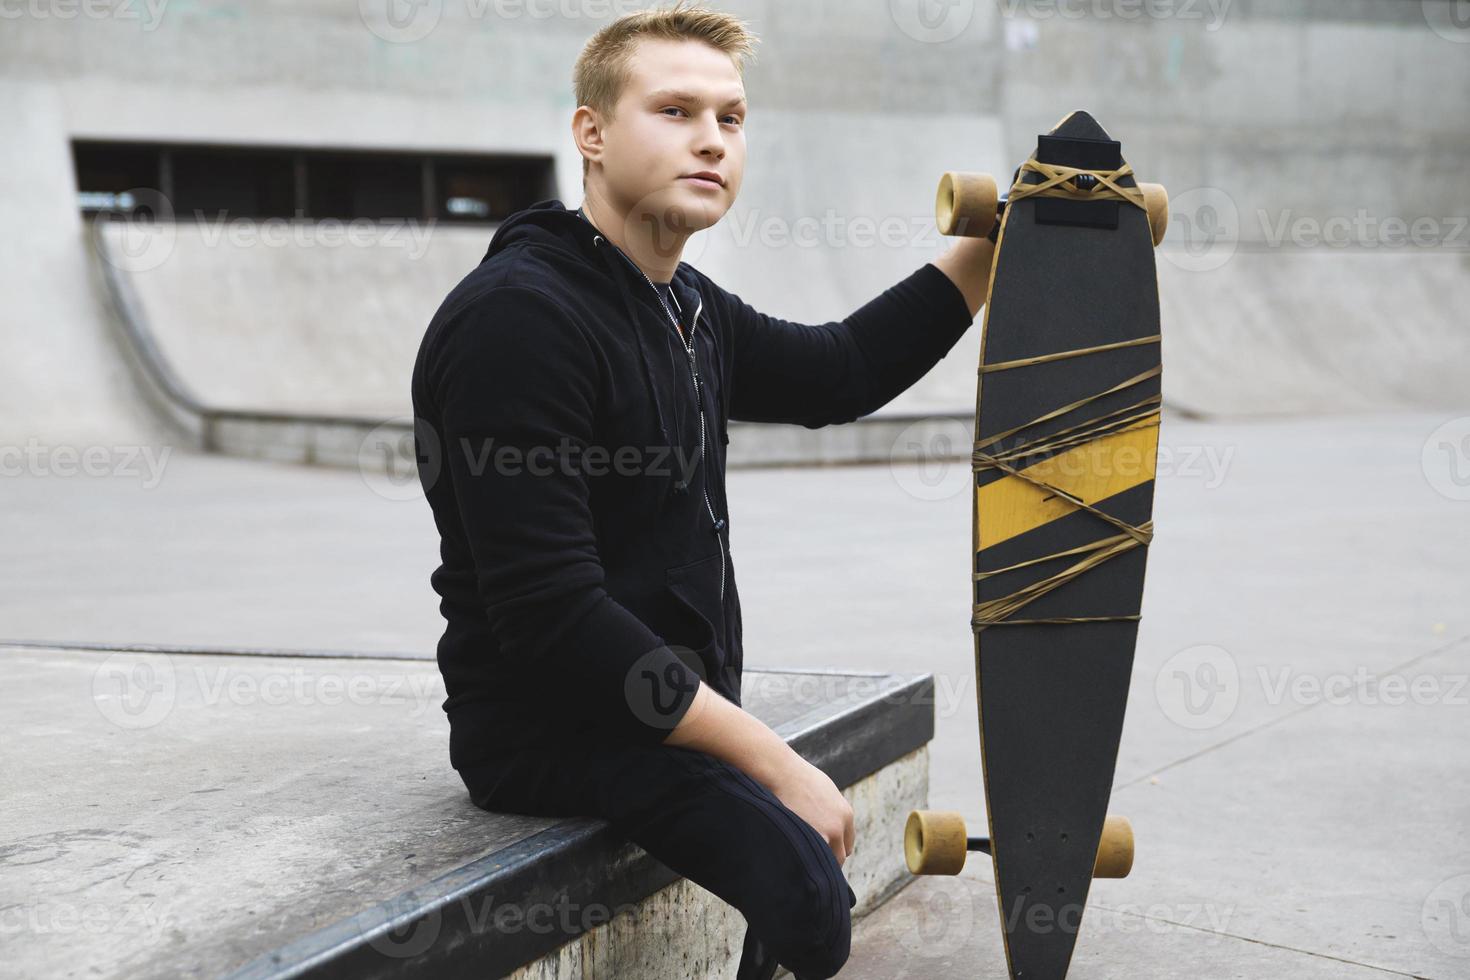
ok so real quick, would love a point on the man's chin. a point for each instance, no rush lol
(693, 209)
(680, 208)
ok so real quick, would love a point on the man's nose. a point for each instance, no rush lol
(711, 139)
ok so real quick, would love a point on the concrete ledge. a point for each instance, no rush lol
(263, 815)
(576, 902)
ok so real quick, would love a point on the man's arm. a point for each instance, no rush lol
(514, 380)
(967, 264)
(719, 728)
(821, 374)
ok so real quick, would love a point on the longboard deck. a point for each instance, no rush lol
(1052, 695)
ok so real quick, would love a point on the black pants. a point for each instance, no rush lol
(706, 820)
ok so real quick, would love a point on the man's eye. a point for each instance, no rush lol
(672, 108)
(733, 120)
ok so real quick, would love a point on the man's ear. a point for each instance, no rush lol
(587, 132)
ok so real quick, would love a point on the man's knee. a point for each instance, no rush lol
(817, 936)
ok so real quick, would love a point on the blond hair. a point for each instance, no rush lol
(603, 67)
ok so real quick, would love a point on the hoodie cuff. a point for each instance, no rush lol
(627, 676)
(948, 302)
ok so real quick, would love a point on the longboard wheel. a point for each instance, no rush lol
(1115, 850)
(934, 842)
(1156, 202)
(966, 204)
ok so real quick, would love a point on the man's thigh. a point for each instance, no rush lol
(613, 782)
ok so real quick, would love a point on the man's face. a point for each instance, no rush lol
(681, 113)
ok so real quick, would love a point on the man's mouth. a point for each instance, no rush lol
(705, 178)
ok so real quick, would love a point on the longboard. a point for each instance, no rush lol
(1066, 438)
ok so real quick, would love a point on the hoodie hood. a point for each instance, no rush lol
(550, 224)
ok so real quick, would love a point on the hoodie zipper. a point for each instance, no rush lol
(719, 523)
(691, 352)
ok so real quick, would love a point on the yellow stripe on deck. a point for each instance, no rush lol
(1091, 472)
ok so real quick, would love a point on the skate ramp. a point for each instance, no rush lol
(64, 379)
(293, 345)
(1309, 332)
(305, 324)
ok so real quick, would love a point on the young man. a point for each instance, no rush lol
(573, 394)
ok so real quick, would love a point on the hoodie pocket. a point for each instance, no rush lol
(696, 591)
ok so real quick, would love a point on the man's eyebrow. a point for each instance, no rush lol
(665, 93)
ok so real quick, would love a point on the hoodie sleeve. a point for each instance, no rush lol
(820, 374)
(514, 379)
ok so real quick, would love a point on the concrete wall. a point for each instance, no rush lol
(1281, 116)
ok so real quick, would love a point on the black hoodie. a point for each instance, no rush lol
(572, 448)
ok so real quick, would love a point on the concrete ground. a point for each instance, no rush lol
(1293, 759)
